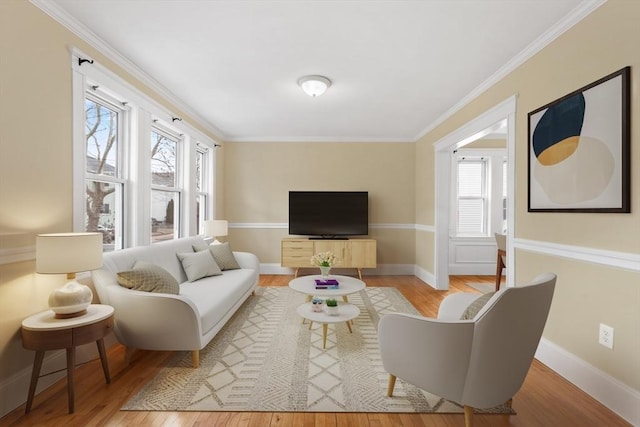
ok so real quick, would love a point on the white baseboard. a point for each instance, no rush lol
(380, 270)
(615, 395)
(425, 276)
(14, 390)
(476, 269)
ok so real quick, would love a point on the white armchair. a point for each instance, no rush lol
(478, 363)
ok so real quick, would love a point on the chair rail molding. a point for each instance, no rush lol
(626, 260)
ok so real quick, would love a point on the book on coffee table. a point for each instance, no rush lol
(327, 284)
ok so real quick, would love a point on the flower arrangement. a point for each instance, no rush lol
(324, 259)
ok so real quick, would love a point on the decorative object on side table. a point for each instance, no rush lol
(324, 260)
(332, 307)
(69, 253)
(317, 304)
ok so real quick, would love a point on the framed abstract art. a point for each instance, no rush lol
(579, 149)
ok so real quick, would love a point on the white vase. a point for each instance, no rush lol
(332, 311)
(71, 299)
(324, 271)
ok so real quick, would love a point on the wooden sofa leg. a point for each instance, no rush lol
(195, 358)
(392, 384)
(468, 416)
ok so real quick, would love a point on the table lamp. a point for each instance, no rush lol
(69, 253)
(216, 228)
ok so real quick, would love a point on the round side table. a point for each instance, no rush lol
(42, 332)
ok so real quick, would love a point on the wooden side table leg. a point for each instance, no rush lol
(71, 363)
(35, 374)
(103, 359)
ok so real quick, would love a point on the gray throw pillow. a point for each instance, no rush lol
(223, 255)
(476, 306)
(197, 265)
(200, 246)
(148, 277)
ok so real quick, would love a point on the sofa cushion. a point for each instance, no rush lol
(224, 256)
(198, 265)
(477, 304)
(215, 296)
(148, 277)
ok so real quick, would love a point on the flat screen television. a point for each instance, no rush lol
(329, 214)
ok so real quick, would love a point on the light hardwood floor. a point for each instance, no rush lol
(545, 399)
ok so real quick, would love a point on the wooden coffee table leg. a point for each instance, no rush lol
(324, 335)
(348, 322)
(35, 374)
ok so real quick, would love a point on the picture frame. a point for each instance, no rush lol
(579, 149)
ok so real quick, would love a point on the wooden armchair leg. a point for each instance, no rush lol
(392, 384)
(468, 416)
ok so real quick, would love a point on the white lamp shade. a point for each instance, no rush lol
(216, 227)
(314, 85)
(63, 253)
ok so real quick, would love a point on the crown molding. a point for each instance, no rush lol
(69, 22)
(316, 139)
(575, 16)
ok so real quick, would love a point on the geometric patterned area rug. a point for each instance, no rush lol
(266, 359)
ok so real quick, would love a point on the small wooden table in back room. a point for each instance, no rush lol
(42, 332)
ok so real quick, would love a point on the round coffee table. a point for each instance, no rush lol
(347, 285)
(346, 312)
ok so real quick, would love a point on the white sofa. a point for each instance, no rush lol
(187, 321)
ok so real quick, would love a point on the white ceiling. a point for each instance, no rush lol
(397, 67)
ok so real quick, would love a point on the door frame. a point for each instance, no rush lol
(443, 148)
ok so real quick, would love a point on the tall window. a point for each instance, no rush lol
(104, 183)
(202, 187)
(481, 192)
(130, 163)
(165, 186)
(472, 196)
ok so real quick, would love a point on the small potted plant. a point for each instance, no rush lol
(317, 304)
(332, 307)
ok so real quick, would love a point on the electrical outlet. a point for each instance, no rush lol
(606, 336)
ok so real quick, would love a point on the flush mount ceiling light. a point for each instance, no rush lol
(314, 85)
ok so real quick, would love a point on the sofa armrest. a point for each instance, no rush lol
(155, 321)
(247, 260)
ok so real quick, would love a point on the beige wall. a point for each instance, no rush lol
(253, 180)
(586, 294)
(258, 177)
(35, 158)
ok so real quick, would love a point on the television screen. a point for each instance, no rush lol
(329, 214)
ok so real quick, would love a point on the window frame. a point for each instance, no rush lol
(143, 113)
(483, 197)
(495, 159)
(177, 188)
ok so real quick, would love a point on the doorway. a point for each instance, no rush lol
(501, 115)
